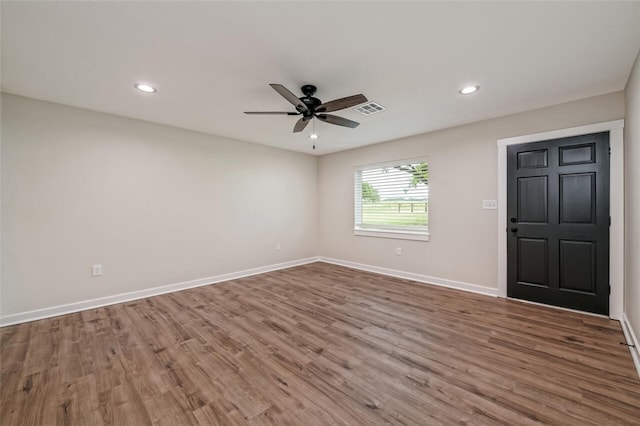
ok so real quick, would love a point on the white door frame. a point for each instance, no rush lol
(616, 205)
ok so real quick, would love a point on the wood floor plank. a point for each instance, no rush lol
(318, 345)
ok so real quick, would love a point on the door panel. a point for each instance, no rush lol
(577, 154)
(558, 228)
(532, 159)
(532, 261)
(577, 266)
(578, 198)
(532, 199)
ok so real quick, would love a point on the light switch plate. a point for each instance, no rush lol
(490, 204)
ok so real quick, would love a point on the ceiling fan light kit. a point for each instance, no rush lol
(311, 107)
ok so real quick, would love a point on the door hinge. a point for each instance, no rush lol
(609, 151)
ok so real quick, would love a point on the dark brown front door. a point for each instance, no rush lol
(558, 222)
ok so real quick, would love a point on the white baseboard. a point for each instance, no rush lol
(632, 339)
(474, 288)
(141, 294)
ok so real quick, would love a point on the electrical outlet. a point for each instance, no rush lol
(490, 204)
(96, 270)
(278, 246)
(398, 251)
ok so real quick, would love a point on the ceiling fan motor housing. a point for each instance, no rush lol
(310, 102)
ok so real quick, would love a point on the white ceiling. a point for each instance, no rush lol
(213, 60)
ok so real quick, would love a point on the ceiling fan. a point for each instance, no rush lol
(310, 107)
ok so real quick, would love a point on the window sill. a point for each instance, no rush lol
(385, 233)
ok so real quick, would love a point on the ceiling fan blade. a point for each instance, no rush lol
(334, 119)
(272, 112)
(301, 124)
(342, 103)
(286, 93)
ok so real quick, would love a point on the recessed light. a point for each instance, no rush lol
(313, 136)
(468, 90)
(145, 88)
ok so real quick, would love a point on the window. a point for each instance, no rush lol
(392, 200)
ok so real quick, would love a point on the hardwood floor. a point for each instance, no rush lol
(318, 344)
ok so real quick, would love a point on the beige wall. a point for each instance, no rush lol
(463, 172)
(632, 197)
(155, 205)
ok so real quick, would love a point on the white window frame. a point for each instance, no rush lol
(401, 233)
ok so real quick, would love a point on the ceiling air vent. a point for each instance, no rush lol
(370, 108)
